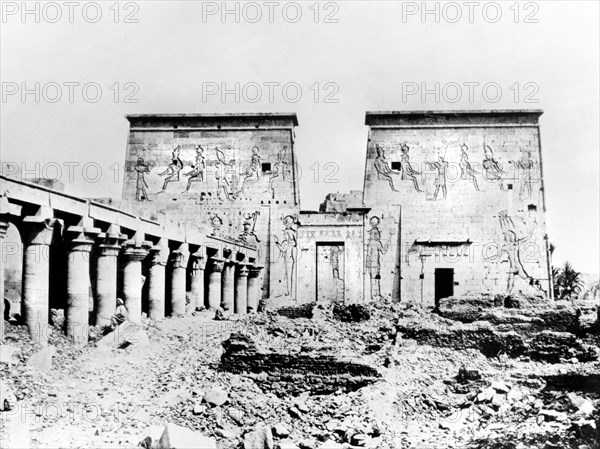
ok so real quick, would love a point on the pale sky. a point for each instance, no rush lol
(371, 57)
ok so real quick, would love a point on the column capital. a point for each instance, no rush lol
(81, 236)
(159, 254)
(38, 230)
(136, 251)
(110, 241)
(215, 264)
(198, 262)
(243, 269)
(254, 271)
(179, 256)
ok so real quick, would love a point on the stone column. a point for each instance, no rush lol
(215, 267)
(135, 252)
(197, 284)
(106, 275)
(253, 288)
(36, 275)
(80, 241)
(156, 280)
(3, 230)
(228, 285)
(241, 289)
(179, 261)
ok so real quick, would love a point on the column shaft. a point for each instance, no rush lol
(197, 284)
(228, 285)
(78, 290)
(36, 278)
(106, 284)
(241, 290)
(253, 288)
(215, 267)
(132, 281)
(179, 259)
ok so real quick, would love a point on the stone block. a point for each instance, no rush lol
(177, 437)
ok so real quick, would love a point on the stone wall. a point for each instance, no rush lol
(294, 373)
(331, 258)
(461, 191)
(229, 174)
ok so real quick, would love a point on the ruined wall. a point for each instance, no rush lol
(456, 190)
(229, 174)
(331, 259)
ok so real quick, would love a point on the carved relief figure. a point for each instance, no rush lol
(141, 194)
(248, 235)
(216, 222)
(382, 167)
(407, 171)
(197, 173)
(223, 184)
(173, 169)
(334, 256)
(512, 247)
(440, 167)
(288, 251)
(525, 166)
(375, 249)
(466, 170)
(280, 168)
(493, 171)
(252, 172)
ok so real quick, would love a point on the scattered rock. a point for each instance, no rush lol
(8, 400)
(500, 386)
(280, 430)
(177, 437)
(8, 354)
(126, 334)
(260, 438)
(215, 396)
(42, 360)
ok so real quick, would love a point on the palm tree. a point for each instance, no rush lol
(567, 282)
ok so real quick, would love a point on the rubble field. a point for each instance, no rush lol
(479, 372)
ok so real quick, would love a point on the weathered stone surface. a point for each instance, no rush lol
(260, 438)
(8, 400)
(42, 360)
(215, 396)
(280, 430)
(294, 373)
(354, 313)
(8, 354)
(14, 431)
(126, 334)
(177, 437)
(546, 346)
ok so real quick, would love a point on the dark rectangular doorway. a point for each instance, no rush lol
(444, 283)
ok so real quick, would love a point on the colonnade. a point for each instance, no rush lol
(160, 266)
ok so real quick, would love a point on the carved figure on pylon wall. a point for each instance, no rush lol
(441, 167)
(141, 169)
(198, 168)
(375, 249)
(173, 169)
(512, 246)
(382, 167)
(407, 171)
(492, 168)
(467, 172)
(280, 168)
(225, 185)
(288, 252)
